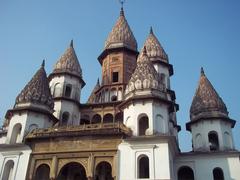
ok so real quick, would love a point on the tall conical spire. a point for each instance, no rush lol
(37, 90)
(121, 35)
(92, 96)
(206, 101)
(68, 62)
(155, 50)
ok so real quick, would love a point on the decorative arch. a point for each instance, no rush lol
(57, 90)
(73, 171)
(185, 173)
(103, 171)
(228, 140)
(119, 117)
(198, 140)
(42, 172)
(213, 141)
(32, 127)
(65, 118)
(96, 119)
(218, 174)
(108, 118)
(8, 170)
(143, 124)
(143, 166)
(16, 133)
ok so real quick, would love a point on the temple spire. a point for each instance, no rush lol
(71, 43)
(43, 63)
(202, 72)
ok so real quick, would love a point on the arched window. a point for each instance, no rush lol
(42, 172)
(119, 117)
(108, 118)
(103, 171)
(57, 90)
(65, 118)
(218, 174)
(16, 133)
(228, 140)
(72, 171)
(213, 141)
(96, 119)
(143, 125)
(143, 167)
(185, 173)
(32, 127)
(68, 90)
(8, 170)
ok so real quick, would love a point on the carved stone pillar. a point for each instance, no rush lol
(90, 166)
(53, 169)
(31, 169)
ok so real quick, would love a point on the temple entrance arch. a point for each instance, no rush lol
(103, 171)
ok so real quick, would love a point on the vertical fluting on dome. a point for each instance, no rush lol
(144, 76)
(206, 101)
(121, 35)
(37, 90)
(154, 48)
(68, 62)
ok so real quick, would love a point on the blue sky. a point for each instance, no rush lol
(193, 33)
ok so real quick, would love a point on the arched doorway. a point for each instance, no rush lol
(218, 174)
(72, 171)
(185, 173)
(108, 118)
(16, 133)
(143, 167)
(42, 172)
(103, 171)
(143, 125)
(8, 170)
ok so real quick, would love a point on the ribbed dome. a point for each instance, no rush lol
(145, 76)
(206, 102)
(37, 91)
(69, 63)
(154, 48)
(121, 35)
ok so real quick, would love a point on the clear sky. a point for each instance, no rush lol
(193, 33)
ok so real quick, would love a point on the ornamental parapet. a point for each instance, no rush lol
(81, 130)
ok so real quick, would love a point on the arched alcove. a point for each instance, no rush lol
(218, 174)
(108, 118)
(185, 173)
(143, 167)
(198, 141)
(8, 170)
(213, 141)
(65, 118)
(42, 172)
(57, 90)
(16, 133)
(68, 90)
(143, 125)
(103, 171)
(96, 119)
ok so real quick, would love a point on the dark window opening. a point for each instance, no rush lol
(65, 117)
(68, 90)
(143, 125)
(115, 77)
(114, 98)
(218, 174)
(213, 140)
(143, 171)
(185, 173)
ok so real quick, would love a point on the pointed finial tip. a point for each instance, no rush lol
(71, 43)
(43, 63)
(121, 12)
(202, 71)
(151, 30)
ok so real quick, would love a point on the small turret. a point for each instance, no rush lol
(210, 125)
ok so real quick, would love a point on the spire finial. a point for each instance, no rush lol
(71, 43)
(122, 11)
(43, 63)
(98, 81)
(151, 30)
(202, 71)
